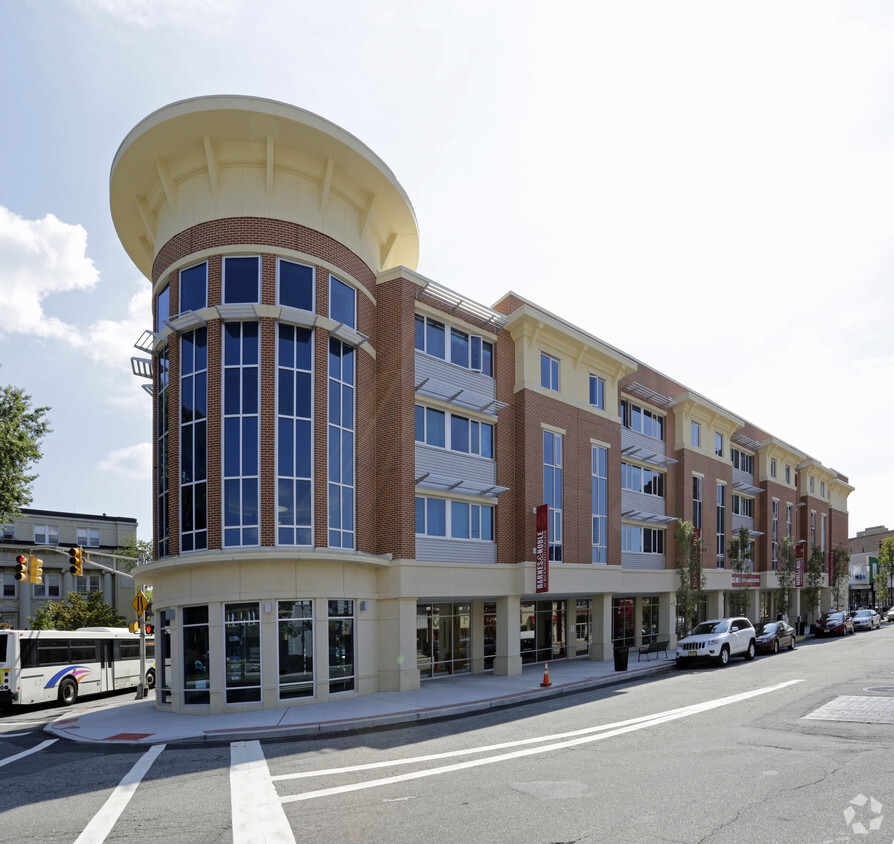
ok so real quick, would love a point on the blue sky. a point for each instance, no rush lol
(704, 185)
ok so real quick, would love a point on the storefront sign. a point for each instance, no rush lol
(746, 580)
(541, 551)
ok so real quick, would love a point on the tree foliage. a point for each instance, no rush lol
(839, 577)
(138, 550)
(76, 611)
(814, 580)
(690, 577)
(786, 572)
(885, 570)
(21, 430)
(739, 551)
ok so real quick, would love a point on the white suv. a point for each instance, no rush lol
(718, 639)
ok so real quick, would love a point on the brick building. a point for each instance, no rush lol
(348, 454)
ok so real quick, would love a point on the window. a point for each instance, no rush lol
(341, 444)
(431, 426)
(642, 540)
(294, 435)
(194, 288)
(86, 583)
(775, 534)
(296, 649)
(196, 661)
(466, 435)
(7, 532)
(9, 585)
(822, 489)
(295, 285)
(811, 484)
(721, 525)
(823, 532)
(242, 640)
(599, 497)
(772, 467)
(697, 501)
(46, 534)
(460, 520)
(162, 308)
(743, 506)
(641, 479)
(695, 434)
(193, 450)
(342, 302)
(788, 519)
(241, 441)
(161, 445)
(641, 420)
(51, 586)
(341, 646)
(241, 280)
(744, 462)
(549, 372)
(88, 537)
(788, 474)
(718, 444)
(470, 351)
(813, 528)
(597, 392)
(552, 491)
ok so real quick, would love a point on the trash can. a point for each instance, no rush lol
(620, 658)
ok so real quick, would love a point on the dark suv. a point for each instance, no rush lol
(837, 623)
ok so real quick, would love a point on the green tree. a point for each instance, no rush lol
(136, 550)
(786, 573)
(885, 569)
(21, 430)
(76, 611)
(739, 551)
(690, 577)
(813, 581)
(839, 577)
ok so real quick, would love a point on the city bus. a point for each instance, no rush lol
(43, 666)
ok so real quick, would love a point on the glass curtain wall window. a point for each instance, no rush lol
(294, 436)
(161, 437)
(341, 646)
(552, 491)
(296, 649)
(241, 438)
(193, 432)
(341, 444)
(599, 495)
(242, 633)
(196, 660)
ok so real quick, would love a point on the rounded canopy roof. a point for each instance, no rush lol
(206, 136)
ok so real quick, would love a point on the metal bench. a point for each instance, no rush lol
(653, 648)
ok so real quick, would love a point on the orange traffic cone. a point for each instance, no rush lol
(546, 683)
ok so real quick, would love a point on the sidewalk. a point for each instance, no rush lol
(138, 722)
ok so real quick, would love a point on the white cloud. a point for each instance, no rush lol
(148, 14)
(40, 258)
(111, 341)
(133, 461)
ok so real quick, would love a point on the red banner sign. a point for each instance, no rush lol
(799, 565)
(541, 551)
(746, 580)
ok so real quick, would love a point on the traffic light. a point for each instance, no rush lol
(36, 570)
(76, 560)
(150, 629)
(21, 567)
(134, 627)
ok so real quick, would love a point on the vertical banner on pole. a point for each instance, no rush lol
(541, 551)
(799, 565)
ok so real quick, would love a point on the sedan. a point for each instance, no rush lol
(836, 623)
(771, 636)
(889, 615)
(867, 620)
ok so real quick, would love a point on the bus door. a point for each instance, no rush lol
(106, 665)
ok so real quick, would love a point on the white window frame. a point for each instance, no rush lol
(553, 364)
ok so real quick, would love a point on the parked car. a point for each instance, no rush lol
(837, 623)
(718, 639)
(867, 620)
(771, 636)
(889, 615)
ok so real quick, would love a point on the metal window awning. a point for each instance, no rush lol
(634, 388)
(490, 317)
(644, 455)
(434, 389)
(141, 367)
(147, 341)
(441, 483)
(741, 439)
(746, 489)
(643, 516)
(754, 534)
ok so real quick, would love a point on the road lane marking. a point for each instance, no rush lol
(258, 815)
(105, 819)
(647, 721)
(24, 753)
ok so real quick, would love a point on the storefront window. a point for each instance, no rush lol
(443, 639)
(196, 674)
(542, 630)
(623, 623)
(650, 619)
(242, 630)
(164, 653)
(296, 649)
(583, 626)
(341, 646)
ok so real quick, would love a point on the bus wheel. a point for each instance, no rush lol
(150, 679)
(68, 692)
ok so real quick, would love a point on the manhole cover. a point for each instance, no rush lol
(882, 690)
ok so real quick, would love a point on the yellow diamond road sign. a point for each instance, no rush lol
(140, 603)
